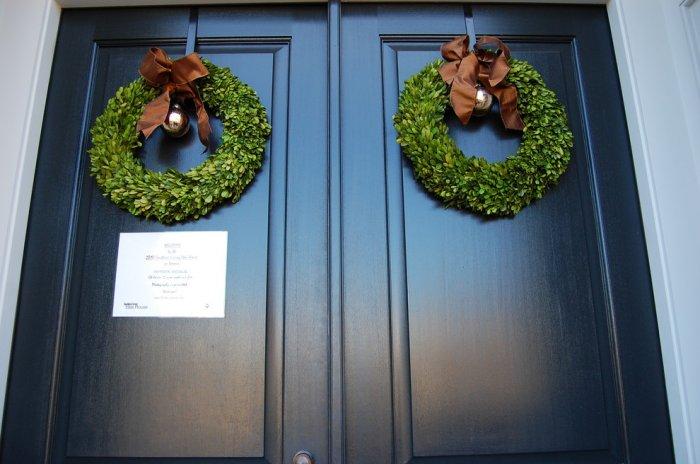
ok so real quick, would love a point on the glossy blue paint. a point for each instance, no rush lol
(494, 341)
(147, 389)
(364, 322)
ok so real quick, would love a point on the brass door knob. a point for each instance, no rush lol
(303, 457)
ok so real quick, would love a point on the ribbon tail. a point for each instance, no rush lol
(154, 114)
(463, 98)
(203, 125)
(507, 96)
(498, 70)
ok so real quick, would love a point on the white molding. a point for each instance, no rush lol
(28, 31)
(668, 185)
(661, 100)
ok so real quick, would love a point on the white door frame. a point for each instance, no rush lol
(657, 46)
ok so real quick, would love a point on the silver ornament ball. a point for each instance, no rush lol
(176, 123)
(483, 102)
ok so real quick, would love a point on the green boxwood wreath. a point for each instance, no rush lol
(172, 196)
(471, 182)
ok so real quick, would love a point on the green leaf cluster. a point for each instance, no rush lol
(173, 196)
(471, 182)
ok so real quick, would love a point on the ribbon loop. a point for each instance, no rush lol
(463, 70)
(175, 78)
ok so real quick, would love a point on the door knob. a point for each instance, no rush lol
(303, 457)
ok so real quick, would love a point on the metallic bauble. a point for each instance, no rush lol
(176, 123)
(483, 102)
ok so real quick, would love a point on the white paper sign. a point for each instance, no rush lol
(171, 274)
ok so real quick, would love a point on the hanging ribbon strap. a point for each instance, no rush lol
(175, 78)
(463, 70)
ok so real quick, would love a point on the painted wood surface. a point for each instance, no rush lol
(140, 388)
(365, 323)
(505, 340)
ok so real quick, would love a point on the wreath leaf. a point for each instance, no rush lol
(172, 196)
(471, 182)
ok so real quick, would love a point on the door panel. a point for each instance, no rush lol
(215, 369)
(519, 368)
(492, 340)
(177, 388)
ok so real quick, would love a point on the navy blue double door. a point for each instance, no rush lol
(365, 323)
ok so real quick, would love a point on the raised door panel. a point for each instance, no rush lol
(176, 387)
(503, 346)
(501, 340)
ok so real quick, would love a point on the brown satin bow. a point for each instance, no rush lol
(175, 78)
(464, 69)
